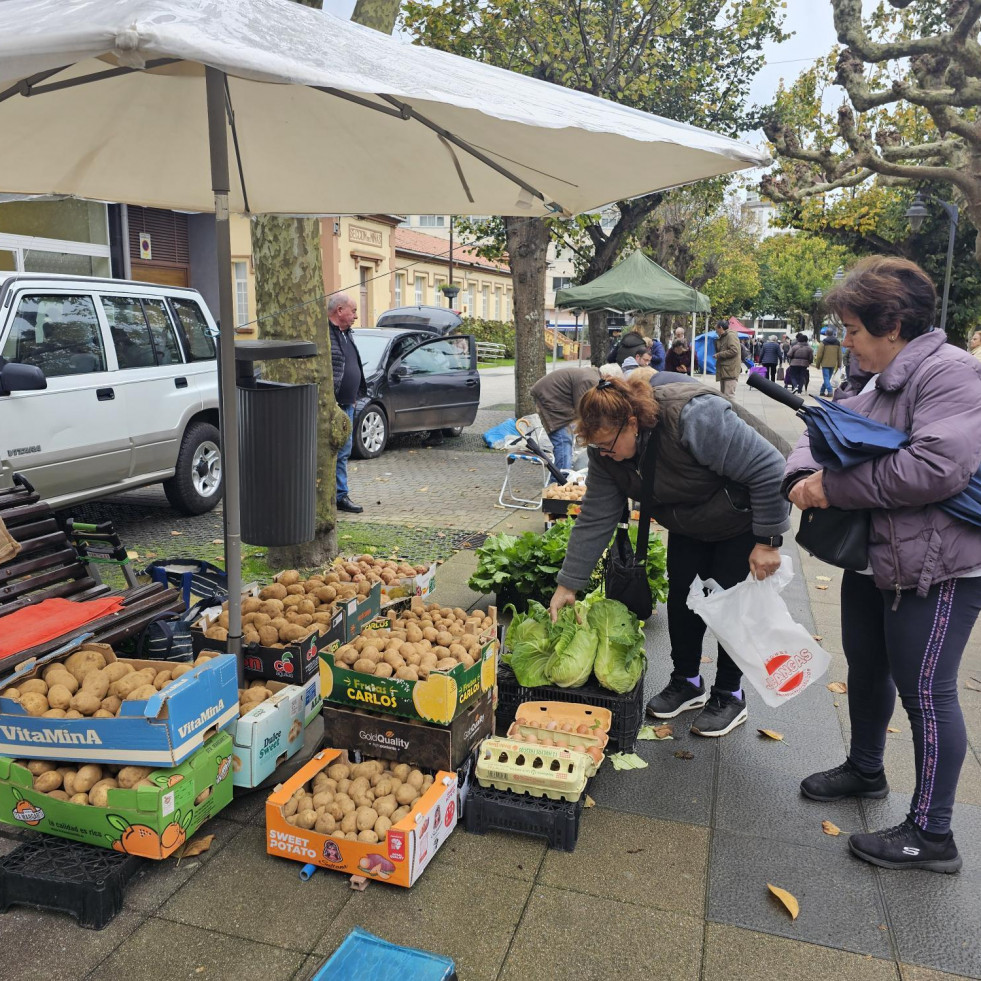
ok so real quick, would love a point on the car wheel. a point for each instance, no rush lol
(455, 431)
(370, 433)
(198, 480)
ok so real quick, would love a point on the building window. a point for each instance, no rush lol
(466, 300)
(507, 305)
(497, 304)
(241, 275)
(432, 221)
(560, 282)
(420, 290)
(398, 290)
(438, 294)
(485, 302)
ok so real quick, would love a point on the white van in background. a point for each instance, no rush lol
(129, 394)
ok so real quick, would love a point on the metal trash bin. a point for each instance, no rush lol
(277, 443)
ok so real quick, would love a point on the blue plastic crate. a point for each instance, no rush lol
(364, 957)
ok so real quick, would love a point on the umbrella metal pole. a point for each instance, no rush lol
(691, 373)
(227, 394)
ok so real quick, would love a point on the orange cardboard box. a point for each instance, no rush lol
(400, 859)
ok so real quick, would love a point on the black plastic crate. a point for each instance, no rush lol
(489, 809)
(627, 709)
(56, 874)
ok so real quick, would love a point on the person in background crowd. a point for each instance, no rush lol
(614, 341)
(657, 355)
(974, 344)
(641, 360)
(349, 384)
(828, 359)
(679, 335)
(758, 350)
(800, 357)
(728, 357)
(704, 453)
(679, 357)
(785, 346)
(631, 344)
(906, 619)
(556, 396)
(770, 357)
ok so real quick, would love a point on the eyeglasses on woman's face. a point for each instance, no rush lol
(612, 445)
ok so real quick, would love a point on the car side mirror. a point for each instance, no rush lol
(400, 372)
(21, 378)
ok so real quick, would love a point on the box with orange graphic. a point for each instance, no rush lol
(400, 858)
(151, 820)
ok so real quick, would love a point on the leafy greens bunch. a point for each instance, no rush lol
(594, 636)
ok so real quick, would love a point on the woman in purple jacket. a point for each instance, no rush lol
(906, 620)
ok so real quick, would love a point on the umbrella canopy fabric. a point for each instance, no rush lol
(637, 283)
(330, 117)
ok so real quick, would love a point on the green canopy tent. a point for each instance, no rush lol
(637, 284)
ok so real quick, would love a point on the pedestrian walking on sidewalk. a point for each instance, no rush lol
(828, 359)
(717, 491)
(770, 357)
(800, 358)
(906, 619)
(728, 358)
(349, 383)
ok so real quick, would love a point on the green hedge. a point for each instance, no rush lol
(495, 331)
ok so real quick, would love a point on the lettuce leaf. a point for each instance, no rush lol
(620, 658)
(573, 652)
(529, 645)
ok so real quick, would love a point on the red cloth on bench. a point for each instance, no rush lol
(32, 625)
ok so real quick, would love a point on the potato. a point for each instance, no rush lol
(97, 683)
(34, 703)
(335, 811)
(215, 632)
(130, 776)
(322, 799)
(99, 794)
(288, 577)
(117, 670)
(340, 771)
(383, 670)
(400, 813)
(381, 826)
(349, 822)
(87, 777)
(59, 697)
(345, 803)
(385, 806)
(305, 803)
(59, 676)
(415, 778)
(46, 782)
(37, 767)
(80, 798)
(368, 835)
(36, 686)
(131, 682)
(306, 819)
(406, 794)
(111, 703)
(54, 714)
(326, 824)
(179, 670)
(358, 786)
(161, 679)
(58, 795)
(401, 771)
(141, 694)
(290, 807)
(82, 662)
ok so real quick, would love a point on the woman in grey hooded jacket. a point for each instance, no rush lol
(906, 620)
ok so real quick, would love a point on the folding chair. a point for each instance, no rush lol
(530, 453)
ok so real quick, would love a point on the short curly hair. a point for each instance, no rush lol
(883, 291)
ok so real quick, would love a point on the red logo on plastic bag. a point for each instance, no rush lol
(788, 673)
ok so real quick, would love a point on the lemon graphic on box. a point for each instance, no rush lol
(435, 699)
(326, 679)
(488, 671)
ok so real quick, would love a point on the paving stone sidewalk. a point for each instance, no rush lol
(669, 878)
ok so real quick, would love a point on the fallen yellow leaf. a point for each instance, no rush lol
(217, 541)
(823, 578)
(663, 732)
(177, 533)
(789, 901)
(589, 801)
(196, 846)
(771, 734)
(820, 587)
(838, 687)
(829, 828)
(892, 729)
(818, 637)
(973, 684)
(132, 554)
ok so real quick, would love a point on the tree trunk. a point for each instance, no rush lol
(288, 272)
(527, 244)
(599, 337)
(378, 14)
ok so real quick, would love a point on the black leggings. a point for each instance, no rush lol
(771, 371)
(726, 562)
(916, 649)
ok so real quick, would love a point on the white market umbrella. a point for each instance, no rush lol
(137, 101)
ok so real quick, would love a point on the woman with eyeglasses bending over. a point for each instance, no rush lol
(717, 491)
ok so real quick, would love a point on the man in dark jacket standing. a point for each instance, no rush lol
(728, 358)
(770, 356)
(349, 383)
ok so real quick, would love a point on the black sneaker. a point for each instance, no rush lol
(905, 847)
(722, 714)
(679, 696)
(841, 782)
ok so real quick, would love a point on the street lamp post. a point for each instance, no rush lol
(916, 212)
(818, 295)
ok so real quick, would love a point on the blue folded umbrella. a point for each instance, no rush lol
(841, 438)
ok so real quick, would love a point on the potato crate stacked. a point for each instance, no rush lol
(562, 501)
(125, 754)
(534, 780)
(406, 701)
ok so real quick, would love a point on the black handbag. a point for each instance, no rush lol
(626, 571)
(835, 536)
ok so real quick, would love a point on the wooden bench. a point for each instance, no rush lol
(48, 566)
(489, 351)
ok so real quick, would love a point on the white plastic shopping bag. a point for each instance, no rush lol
(778, 657)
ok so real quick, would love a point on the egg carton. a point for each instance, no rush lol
(591, 747)
(556, 772)
(541, 714)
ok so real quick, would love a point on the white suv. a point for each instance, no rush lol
(131, 393)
